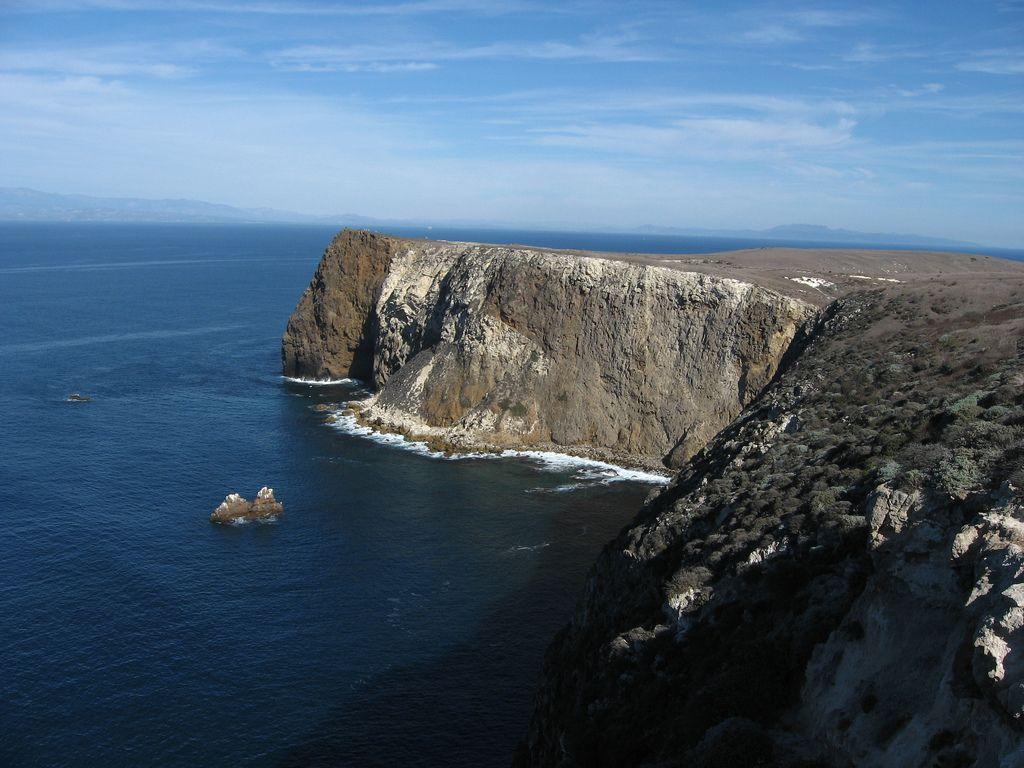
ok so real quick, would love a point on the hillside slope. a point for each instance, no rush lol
(838, 578)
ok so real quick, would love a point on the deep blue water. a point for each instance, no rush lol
(396, 614)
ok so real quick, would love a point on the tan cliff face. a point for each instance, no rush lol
(502, 346)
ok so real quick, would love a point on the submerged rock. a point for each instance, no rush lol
(75, 397)
(236, 508)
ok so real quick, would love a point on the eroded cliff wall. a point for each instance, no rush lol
(517, 347)
(331, 334)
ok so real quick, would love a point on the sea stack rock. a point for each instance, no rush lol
(236, 508)
(265, 505)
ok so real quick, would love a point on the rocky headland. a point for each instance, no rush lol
(835, 575)
(237, 509)
(483, 347)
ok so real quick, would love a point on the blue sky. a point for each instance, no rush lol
(899, 117)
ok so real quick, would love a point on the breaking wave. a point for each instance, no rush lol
(323, 382)
(585, 472)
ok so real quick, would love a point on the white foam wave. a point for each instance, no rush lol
(586, 472)
(346, 422)
(567, 487)
(322, 382)
(248, 521)
(525, 548)
(587, 469)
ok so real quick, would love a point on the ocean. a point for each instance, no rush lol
(396, 614)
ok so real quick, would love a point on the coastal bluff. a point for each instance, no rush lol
(488, 347)
(835, 574)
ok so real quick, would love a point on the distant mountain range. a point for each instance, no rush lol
(23, 204)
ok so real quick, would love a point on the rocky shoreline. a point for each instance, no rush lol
(450, 442)
(347, 416)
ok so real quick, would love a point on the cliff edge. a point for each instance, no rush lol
(481, 346)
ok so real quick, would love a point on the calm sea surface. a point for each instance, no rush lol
(396, 615)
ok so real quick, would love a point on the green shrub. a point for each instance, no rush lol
(996, 413)
(912, 479)
(887, 470)
(958, 474)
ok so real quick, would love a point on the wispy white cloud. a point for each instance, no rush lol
(167, 61)
(779, 133)
(772, 34)
(835, 17)
(974, 107)
(667, 103)
(595, 47)
(771, 28)
(315, 64)
(410, 8)
(872, 53)
(1001, 61)
(926, 89)
(699, 139)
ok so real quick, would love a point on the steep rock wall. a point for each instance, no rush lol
(332, 331)
(505, 346)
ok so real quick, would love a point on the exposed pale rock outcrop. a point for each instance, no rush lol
(493, 346)
(235, 508)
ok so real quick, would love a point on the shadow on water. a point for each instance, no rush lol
(469, 706)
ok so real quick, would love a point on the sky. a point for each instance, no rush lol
(888, 117)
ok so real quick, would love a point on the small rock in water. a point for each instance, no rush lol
(236, 508)
(75, 397)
